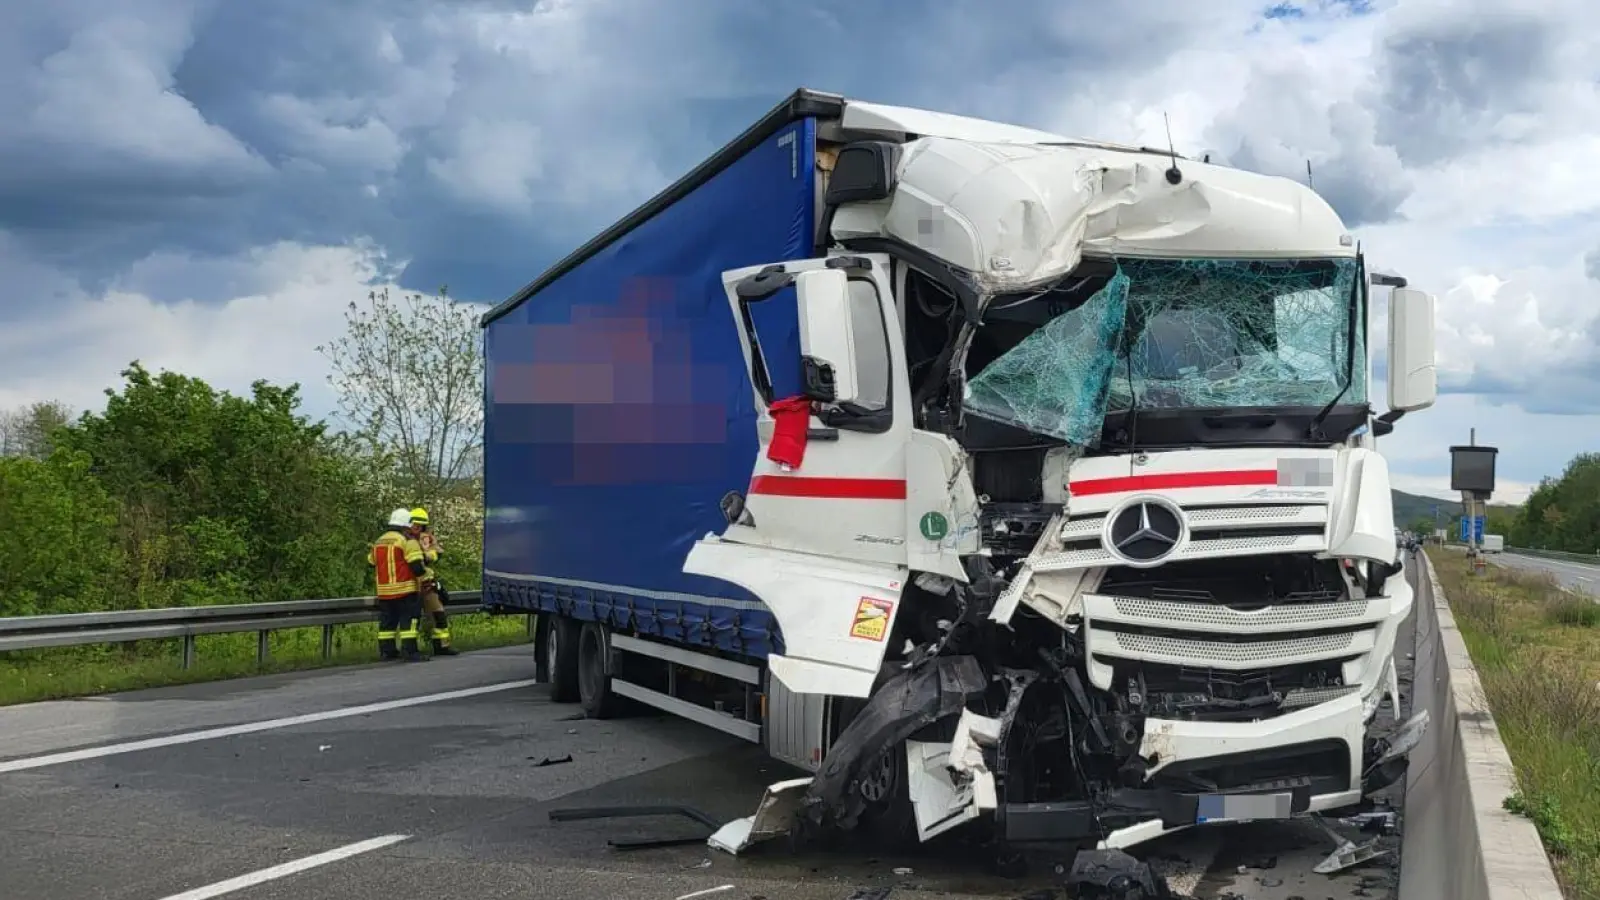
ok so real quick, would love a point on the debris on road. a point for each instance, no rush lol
(552, 761)
(1382, 821)
(1114, 875)
(774, 817)
(1348, 854)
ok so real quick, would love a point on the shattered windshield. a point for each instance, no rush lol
(1179, 334)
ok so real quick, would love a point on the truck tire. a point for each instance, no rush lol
(561, 658)
(889, 819)
(594, 685)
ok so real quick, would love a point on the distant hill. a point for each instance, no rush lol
(1409, 508)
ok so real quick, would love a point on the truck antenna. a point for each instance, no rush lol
(1174, 174)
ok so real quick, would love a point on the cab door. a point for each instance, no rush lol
(847, 497)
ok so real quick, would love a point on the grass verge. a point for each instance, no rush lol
(1537, 651)
(57, 673)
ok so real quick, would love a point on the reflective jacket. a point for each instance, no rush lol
(430, 557)
(397, 564)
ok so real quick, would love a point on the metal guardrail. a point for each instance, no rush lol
(1592, 559)
(187, 622)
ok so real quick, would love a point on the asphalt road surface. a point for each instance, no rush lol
(1584, 579)
(365, 784)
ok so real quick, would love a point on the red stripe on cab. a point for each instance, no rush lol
(829, 488)
(1173, 481)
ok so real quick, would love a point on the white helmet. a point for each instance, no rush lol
(400, 518)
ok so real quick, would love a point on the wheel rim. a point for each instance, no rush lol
(877, 783)
(550, 649)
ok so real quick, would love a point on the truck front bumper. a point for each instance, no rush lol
(1308, 761)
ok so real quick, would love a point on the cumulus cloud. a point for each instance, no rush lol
(181, 168)
(276, 304)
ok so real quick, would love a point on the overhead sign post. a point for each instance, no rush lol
(1472, 473)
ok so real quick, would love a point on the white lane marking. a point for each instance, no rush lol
(289, 868)
(189, 737)
(707, 892)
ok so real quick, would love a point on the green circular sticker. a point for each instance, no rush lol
(934, 526)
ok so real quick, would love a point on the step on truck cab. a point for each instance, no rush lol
(994, 478)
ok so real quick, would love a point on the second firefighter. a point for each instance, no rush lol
(432, 590)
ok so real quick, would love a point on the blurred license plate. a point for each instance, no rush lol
(1242, 807)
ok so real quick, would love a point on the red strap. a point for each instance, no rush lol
(791, 419)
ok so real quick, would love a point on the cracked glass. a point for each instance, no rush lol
(1180, 334)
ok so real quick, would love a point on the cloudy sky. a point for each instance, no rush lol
(202, 185)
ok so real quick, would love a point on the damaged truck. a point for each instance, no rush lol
(998, 481)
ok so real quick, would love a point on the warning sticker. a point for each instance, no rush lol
(872, 619)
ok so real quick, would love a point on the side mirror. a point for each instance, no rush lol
(827, 342)
(1413, 372)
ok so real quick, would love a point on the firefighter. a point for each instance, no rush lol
(433, 594)
(398, 566)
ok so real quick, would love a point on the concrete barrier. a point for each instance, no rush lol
(1459, 842)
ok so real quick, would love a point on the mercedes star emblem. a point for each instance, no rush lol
(1145, 531)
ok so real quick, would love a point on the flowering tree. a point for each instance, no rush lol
(409, 375)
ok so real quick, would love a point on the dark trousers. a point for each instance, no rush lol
(397, 621)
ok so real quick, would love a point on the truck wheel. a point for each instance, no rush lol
(885, 786)
(561, 658)
(594, 685)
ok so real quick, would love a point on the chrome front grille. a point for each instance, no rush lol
(1214, 532)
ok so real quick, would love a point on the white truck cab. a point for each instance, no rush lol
(1079, 502)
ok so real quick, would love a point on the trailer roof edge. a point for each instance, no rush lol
(799, 105)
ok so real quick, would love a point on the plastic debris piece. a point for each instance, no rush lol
(1348, 854)
(1113, 875)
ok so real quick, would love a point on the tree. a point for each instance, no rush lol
(224, 498)
(30, 431)
(409, 375)
(1563, 513)
(61, 520)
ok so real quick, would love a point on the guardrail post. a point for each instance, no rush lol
(188, 651)
(263, 647)
(327, 641)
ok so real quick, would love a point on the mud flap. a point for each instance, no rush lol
(774, 818)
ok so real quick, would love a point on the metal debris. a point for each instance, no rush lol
(1348, 855)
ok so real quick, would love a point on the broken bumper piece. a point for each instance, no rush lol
(774, 817)
(1023, 823)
